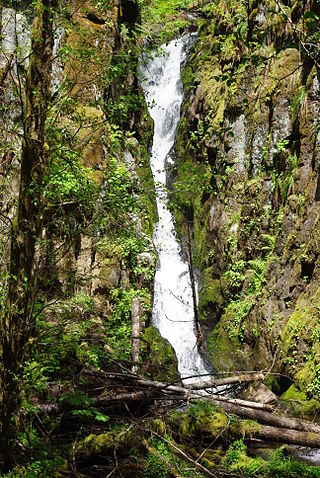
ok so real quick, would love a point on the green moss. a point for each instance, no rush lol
(105, 442)
(200, 418)
(272, 383)
(299, 342)
(165, 19)
(159, 359)
(298, 401)
(210, 296)
(236, 458)
(222, 349)
(249, 427)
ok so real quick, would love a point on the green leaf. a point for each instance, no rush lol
(100, 417)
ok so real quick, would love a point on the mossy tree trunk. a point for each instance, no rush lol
(18, 317)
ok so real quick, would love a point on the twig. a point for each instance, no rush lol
(174, 472)
(213, 442)
(116, 446)
(73, 464)
(184, 455)
(111, 472)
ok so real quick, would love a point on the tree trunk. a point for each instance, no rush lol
(135, 319)
(17, 318)
(199, 335)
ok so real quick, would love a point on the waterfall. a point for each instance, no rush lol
(173, 312)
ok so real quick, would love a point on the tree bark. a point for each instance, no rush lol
(135, 319)
(17, 318)
(199, 335)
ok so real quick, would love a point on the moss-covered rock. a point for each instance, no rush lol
(247, 136)
(158, 357)
(104, 443)
(298, 402)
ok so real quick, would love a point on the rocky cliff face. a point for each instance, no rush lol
(247, 176)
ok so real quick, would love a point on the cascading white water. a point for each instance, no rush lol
(173, 312)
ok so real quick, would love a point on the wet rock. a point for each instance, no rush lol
(237, 152)
(260, 393)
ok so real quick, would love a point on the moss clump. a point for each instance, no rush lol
(95, 444)
(277, 464)
(200, 418)
(299, 402)
(236, 458)
(300, 341)
(272, 383)
(105, 442)
(249, 427)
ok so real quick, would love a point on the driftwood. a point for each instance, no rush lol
(202, 385)
(242, 403)
(152, 390)
(100, 401)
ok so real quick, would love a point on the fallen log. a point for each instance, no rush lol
(264, 417)
(213, 383)
(220, 382)
(188, 393)
(242, 403)
(285, 435)
(147, 395)
(101, 401)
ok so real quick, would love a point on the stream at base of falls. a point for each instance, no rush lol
(173, 308)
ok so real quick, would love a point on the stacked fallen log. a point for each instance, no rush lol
(271, 424)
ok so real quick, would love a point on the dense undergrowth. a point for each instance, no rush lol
(165, 447)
